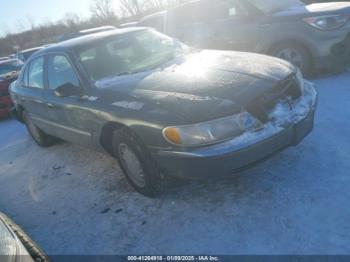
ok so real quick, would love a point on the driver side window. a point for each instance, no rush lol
(36, 73)
(61, 72)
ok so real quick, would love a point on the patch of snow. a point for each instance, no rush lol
(129, 105)
(91, 98)
(116, 80)
(160, 95)
(285, 114)
(273, 208)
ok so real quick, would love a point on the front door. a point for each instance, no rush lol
(232, 26)
(219, 24)
(72, 118)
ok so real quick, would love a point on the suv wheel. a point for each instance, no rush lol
(296, 55)
(37, 134)
(137, 163)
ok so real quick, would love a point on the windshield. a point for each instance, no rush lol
(271, 6)
(128, 54)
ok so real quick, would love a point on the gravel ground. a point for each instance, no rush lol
(75, 201)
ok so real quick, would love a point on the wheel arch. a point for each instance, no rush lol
(309, 56)
(19, 114)
(106, 135)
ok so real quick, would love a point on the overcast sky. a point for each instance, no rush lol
(15, 12)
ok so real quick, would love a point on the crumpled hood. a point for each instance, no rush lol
(316, 9)
(201, 85)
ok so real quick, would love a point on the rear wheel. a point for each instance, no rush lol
(137, 163)
(37, 134)
(296, 55)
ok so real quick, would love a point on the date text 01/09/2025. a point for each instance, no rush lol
(173, 258)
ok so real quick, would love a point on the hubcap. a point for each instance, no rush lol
(132, 165)
(291, 55)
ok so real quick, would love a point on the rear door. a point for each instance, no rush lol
(233, 26)
(32, 91)
(219, 24)
(189, 24)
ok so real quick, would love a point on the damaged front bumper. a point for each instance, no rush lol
(232, 156)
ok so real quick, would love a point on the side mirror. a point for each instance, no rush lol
(68, 90)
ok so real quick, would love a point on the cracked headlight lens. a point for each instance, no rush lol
(211, 132)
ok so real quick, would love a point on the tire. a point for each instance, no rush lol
(37, 134)
(295, 54)
(137, 164)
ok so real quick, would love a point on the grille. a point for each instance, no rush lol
(288, 89)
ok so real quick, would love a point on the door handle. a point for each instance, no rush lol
(49, 105)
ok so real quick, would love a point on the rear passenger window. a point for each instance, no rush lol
(36, 73)
(61, 72)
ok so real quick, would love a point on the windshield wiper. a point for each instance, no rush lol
(125, 73)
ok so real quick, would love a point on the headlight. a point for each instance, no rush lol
(329, 22)
(211, 132)
(301, 80)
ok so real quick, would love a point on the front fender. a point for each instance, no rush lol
(147, 123)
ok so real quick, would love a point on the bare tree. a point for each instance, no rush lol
(103, 10)
(137, 8)
(31, 22)
(133, 7)
(162, 4)
(72, 21)
(31, 33)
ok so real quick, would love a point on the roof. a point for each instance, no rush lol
(89, 31)
(92, 30)
(31, 49)
(161, 13)
(165, 12)
(83, 40)
(130, 24)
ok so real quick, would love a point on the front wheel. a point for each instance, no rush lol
(296, 55)
(37, 134)
(137, 163)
